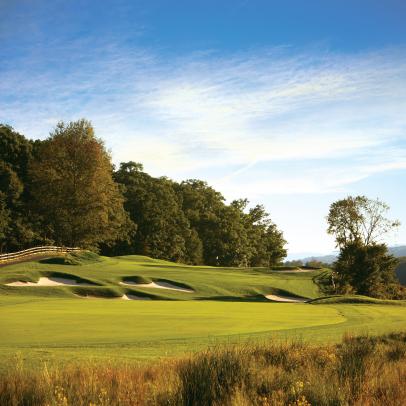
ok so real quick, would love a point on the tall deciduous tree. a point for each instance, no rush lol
(16, 230)
(163, 230)
(74, 191)
(367, 270)
(204, 209)
(364, 265)
(359, 219)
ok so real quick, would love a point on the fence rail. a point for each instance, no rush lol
(17, 256)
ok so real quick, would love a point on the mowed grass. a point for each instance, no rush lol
(208, 283)
(227, 305)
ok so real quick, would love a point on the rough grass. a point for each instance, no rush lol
(357, 371)
(73, 258)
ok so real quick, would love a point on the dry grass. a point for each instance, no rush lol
(359, 371)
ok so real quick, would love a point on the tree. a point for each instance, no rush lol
(163, 230)
(366, 270)
(275, 250)
(15, 150)
(359, 219)
(16, 222)
(202, 206)
(364, 265)
(265, 240)
(5, 221)
(73, 189)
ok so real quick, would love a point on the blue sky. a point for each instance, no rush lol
(293, 104)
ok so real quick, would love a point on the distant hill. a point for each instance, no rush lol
(398, 251)
(327, 259)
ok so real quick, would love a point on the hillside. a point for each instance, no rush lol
(398, 251)
(95, 276)
(84, 306)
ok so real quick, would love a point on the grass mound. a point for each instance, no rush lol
(354, 299)
(145, 295)
(284, 268)
(44, 292)
(73, 258)
(101, 292)
(137, 279)
(283, 292)
(63, 275)
(176, 284)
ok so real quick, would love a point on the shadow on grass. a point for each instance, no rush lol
(247, 298)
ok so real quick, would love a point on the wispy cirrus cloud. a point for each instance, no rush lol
(330, 119)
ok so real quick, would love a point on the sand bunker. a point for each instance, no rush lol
(133, 297)
(53, 281)
(158, 285)
(285, 299)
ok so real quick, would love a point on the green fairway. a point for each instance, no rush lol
(207, 282)
(225, 305)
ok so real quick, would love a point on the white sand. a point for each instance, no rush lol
(133, 297)
(53, 281)
(158, 285)
(286, 299)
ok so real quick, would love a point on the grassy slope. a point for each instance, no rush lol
(46, 322)
(208, 282)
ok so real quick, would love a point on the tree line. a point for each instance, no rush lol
(65, 190)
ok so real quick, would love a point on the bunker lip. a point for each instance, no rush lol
(51, 281)
(124, 297)
(157, 285)
(285, 299)
(134, 297)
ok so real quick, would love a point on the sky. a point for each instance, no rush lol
(291, 104)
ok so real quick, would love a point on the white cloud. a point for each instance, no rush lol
(291, 129)
(185, 116)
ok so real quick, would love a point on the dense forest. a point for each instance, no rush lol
(65, 190)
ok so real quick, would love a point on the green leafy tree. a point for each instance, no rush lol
(275, 251)
(204, 208)
(5, 221)
(359, 219)
(364, 265)
(367, 270)
(73, 189)
(15, 150)
(266, 245)
(16, 222)
(163, 230)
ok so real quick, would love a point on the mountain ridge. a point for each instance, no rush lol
(397, 251)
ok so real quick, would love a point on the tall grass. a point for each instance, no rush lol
(358, 371)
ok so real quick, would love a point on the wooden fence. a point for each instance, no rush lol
(31, 252)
